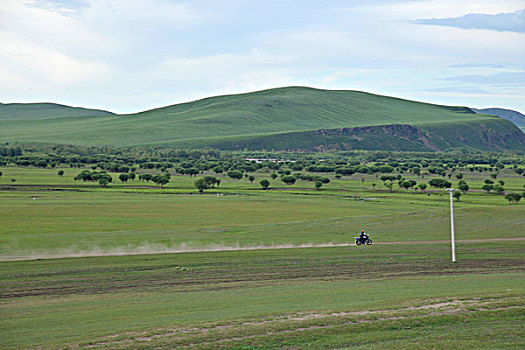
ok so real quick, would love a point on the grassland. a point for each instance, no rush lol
(375, 297)
(44, 214)
(330, 297)
(266, 119)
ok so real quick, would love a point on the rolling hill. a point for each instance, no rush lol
(516, 117)
(20, 111)
(292, 118)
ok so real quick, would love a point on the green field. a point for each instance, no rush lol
(285, 118)
(330, 297)
(393, 294)
(45, 214)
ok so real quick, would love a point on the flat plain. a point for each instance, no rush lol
(122, 285)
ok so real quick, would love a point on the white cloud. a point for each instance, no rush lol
(412, 10)
(512, 22)
(38, 64)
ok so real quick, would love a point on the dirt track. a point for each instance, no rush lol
(168, 250)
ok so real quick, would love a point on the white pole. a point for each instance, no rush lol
(452, 234)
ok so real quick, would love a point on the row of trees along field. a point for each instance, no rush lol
(208, 181)
(388, 167)
(194, 162)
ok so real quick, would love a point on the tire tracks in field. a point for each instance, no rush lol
(223, 334)
(142, 250)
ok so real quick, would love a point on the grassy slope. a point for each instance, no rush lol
(32, 111)
(218, 120)
(487, 134)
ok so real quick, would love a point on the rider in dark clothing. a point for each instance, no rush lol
(363, 236)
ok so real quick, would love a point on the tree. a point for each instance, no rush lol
(324, 180)
(513, 197)
(218, 170)
(288, 179)
(489, 182)
(296, 167)
(235, 174)
(457, 194)
(499, 189)
(251, 178)
(61, 173)
(265, 184)
(388, 184)
(494, 176)
(145, 177)
(103, 181)
(201, 185)
(459, 176)
(487, 187)
(422, 187)
(318, 185)
(389, 178)
(132, 176)
(123, 177)
(273, 176)
(211, 180)
(344, 171)
(13, 180)
(191, 171)
(160, 180)
(405, 185)
(463, 187)
(1, 173)
(439, 183)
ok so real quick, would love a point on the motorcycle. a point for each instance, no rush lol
(359, 241)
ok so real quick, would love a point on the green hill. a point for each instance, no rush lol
(284, 118)
(18, 111)
(516, 117)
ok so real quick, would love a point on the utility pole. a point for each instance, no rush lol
(452, 234)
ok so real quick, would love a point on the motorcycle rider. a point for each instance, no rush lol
(363, 236)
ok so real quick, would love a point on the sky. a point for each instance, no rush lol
(131, 55)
